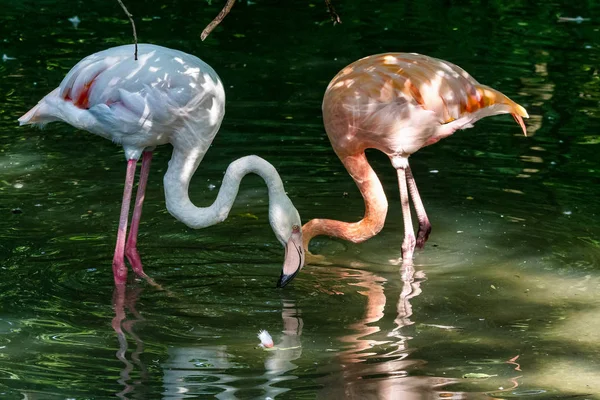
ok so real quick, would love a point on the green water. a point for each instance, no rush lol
(507, 286)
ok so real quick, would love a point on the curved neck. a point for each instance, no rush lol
(376, 206)
(182, 166)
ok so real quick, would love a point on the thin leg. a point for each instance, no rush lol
(119, 268)
(131, 247)
(424, 225)
(408, 245)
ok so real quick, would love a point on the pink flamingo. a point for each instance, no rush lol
(166, 96)
(397, 103)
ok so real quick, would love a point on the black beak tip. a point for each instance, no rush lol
(285, 279)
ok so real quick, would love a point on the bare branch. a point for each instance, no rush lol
(334, 16)
(209, 28)
(135, 41)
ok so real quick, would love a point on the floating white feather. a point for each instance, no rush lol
(266, 341)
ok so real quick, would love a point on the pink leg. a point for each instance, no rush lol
(119, 268)
(131, 247)
(424, 225)
(408, 245)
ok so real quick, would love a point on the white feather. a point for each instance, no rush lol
(266, 341)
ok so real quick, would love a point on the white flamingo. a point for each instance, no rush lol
(166, 96)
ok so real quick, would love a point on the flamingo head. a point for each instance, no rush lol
(294, 257)
(287, 226)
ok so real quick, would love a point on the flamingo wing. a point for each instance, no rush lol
(112, 94)
(371, 100)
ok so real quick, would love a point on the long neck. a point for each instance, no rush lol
(376, 206)
(182, 166)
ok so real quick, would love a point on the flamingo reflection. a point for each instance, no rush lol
(279, 362)
(185, 366)
(126, 299)
(206, 370)
(411, 287)
(362, 376)
(375, 363)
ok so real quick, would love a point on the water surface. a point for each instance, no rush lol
(502, 303)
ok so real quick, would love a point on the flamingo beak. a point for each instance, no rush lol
(518, 115)
(519, 120)
(294, 257)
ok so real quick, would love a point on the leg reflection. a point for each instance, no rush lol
(411, 288)
(376, 365)
(124, 299)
